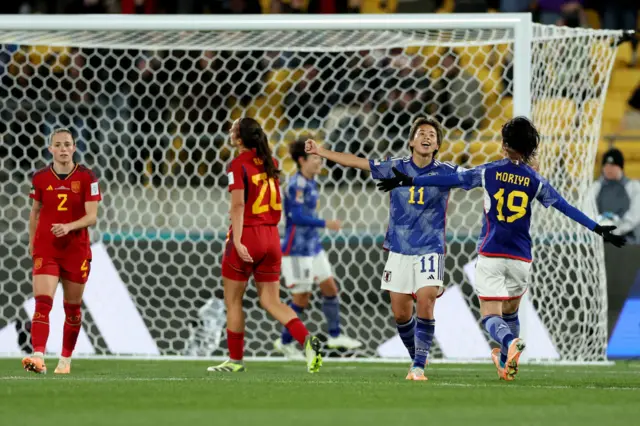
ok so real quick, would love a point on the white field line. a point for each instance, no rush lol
(431, 383)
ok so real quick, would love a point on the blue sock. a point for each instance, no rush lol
(425, 329)
(286, 336)
(514, 324)
(407, 334)
(331, 309)
(500, 332)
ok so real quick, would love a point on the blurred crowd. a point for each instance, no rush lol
(162, 109)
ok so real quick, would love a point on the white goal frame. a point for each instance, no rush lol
(520, 23)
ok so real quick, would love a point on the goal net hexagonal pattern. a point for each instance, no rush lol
(151, 111)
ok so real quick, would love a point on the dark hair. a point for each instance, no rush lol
(253, 136)
(520, 135)
(297, 151)
(61, 130)
(423, 121)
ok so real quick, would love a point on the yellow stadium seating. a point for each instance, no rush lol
(452, 151)
(555, 116)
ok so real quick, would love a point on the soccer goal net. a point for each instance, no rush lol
(151, 100)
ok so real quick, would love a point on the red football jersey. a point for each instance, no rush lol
(63, 202)
(262, 202)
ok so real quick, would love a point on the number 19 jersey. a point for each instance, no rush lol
(262, 202)
(509, 189)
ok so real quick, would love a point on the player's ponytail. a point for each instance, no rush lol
(253, 137)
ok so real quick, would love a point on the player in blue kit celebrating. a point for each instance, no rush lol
(415, 238)
(304, 261)
(504, 247)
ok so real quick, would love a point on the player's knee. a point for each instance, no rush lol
(329, 287)
(402, 312)
(426, 302)
(44, 303)
(73, 313)
(268, 302)
(301, 299)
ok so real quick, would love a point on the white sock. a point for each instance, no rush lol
(38, 354)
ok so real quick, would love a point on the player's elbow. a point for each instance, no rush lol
(237, 207)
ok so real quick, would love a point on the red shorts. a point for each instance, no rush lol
(73, 268)
(263, 243)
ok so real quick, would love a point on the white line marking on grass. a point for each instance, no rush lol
(431, 383)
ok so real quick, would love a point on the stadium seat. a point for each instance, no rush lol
(281, 80)
(483, 152)
(271, 117)
(554, 116)
(474, 56)
(502, 108)
(452, 151)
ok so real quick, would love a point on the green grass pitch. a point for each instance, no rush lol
(141, 392)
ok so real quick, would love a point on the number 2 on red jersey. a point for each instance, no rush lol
(263, 182)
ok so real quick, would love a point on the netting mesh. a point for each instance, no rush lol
(152, 110)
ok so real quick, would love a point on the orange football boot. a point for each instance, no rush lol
(34, 364)
(502, 373)
(513, 356)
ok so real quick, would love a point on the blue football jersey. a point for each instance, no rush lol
(417, 215)
(301, 221)
(509, 189)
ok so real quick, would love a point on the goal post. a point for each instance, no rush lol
(151, 99)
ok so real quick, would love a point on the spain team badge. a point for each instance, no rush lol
(75, 186)
(37, 264)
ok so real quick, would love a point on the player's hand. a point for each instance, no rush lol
(333, 225)
(243, 252)
(311, 147)
(605, 233)
(400, 179)
(30, 248)
(60, 229)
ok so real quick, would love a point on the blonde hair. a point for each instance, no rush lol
(61, 130)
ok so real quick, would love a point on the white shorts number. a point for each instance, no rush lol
(408, 273)
(498, 278)
(302, 272)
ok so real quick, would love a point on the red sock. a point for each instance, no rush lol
(71, 330)
(40, 323)
(297, 330)
(235, 343)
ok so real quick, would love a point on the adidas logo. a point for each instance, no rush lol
(50, 188)
(431, 277)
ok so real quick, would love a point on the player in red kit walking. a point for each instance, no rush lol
(65, 203)
(253, 245)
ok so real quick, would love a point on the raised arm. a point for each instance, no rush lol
(342, 158)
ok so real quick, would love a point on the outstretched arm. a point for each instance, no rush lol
(468, 179)
(574, 214)
(548, 196)
(342, 158)
(453, 180)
